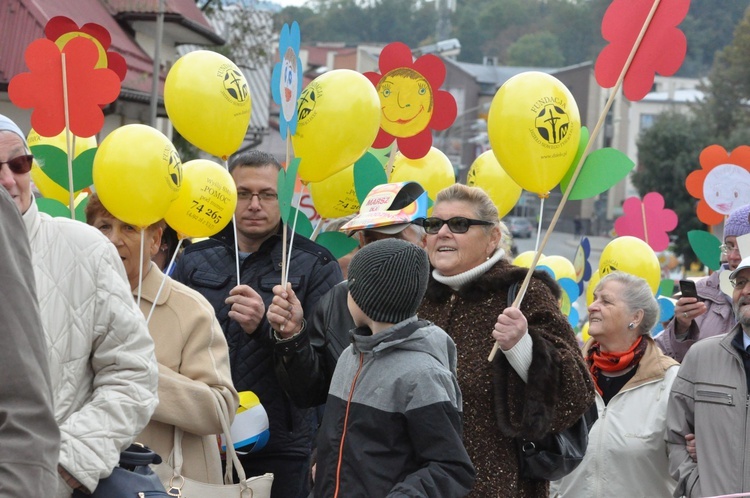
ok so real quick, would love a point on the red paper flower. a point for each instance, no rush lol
(61, 30)
(411, 104)
(42, 87)
(662, 49)
(647, 220)
(722, 184)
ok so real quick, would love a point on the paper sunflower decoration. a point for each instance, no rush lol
(411, 103)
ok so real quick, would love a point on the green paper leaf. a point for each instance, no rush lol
(81, 209)
(285, 188)
(54, 163)
(382, 155)
(303, 227)
(666, 287)
(602, 170)
(705, 245)
(338, 243)
(368, 173)
(53, 207)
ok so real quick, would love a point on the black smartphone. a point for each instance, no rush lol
(687, 288)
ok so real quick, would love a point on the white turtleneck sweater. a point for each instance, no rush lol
(519, 356)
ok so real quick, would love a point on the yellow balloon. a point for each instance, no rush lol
(585, 332)
(525, 258)
(206, 201)
(46, 186)
(562, 267)
(487, 174)
(208, 101)
(595, 277)
(338, 120)
(434, 172)
(631, 255)
(335, 196)
(137, 174)
(534, 129)
(81, 144)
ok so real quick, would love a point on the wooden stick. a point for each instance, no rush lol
(68, 144)
(391, 158)
(645, 226)
(234, 227)
(291, 241)
(594, 133)
(284, 225)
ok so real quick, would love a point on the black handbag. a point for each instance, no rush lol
(133, 478)
(556, 454)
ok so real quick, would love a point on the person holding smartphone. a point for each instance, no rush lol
(709, 312)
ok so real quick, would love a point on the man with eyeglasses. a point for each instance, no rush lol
(709, 399)
(306, 355)
(101, 356)
(209, 267)
(711, 313)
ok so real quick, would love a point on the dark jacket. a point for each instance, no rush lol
(392, 425)
(498, 404)
(209, 268)
(305, 363)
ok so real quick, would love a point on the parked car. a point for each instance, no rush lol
(519, 227)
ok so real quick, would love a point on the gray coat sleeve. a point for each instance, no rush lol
(29, 436)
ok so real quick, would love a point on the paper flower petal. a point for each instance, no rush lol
(648, 220)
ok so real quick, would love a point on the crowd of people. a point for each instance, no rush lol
(374, 385)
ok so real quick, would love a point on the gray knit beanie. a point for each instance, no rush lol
(388, 279)
(738, 223)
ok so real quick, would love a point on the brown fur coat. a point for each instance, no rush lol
(497, 404)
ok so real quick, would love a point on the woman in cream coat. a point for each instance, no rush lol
(190, 348)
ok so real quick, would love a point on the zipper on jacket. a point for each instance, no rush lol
(346, 421)
(716, 395)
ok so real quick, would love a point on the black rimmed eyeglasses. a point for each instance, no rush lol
(457, 224)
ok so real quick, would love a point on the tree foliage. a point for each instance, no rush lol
(667, 153)
(539, 49)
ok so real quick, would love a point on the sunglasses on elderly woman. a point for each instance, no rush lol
(19, 165)
(457, 224)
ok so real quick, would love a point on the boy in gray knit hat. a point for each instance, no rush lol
(393, 419)
(711, 312)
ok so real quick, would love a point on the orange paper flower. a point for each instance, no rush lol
(722, 184)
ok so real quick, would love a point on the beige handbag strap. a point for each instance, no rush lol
(232, 459)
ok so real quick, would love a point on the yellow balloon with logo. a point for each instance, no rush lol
(335, 196)
(631, 255)
(206, 201)
(487, 174)
(137, 174)
(434, 172)
(526, 258)
(534, 129)
(562, 267)
(208, 101)
(338, 118)
(46, 186)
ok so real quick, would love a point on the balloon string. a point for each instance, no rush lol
(234, 229)
(615, 91)
(68, 145)
(316, 231)
(140, 266)
(163, 281)
(539, 223)
(645, 226)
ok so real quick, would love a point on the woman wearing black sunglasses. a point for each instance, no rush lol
(540, 382)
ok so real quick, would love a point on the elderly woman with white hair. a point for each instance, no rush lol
(627, 452)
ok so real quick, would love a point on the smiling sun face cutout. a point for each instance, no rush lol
(406, 102)
(410, 100)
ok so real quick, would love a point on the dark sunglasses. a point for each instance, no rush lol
(457, 224)
(19, 165)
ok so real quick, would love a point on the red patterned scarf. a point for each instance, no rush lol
(600, 361)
